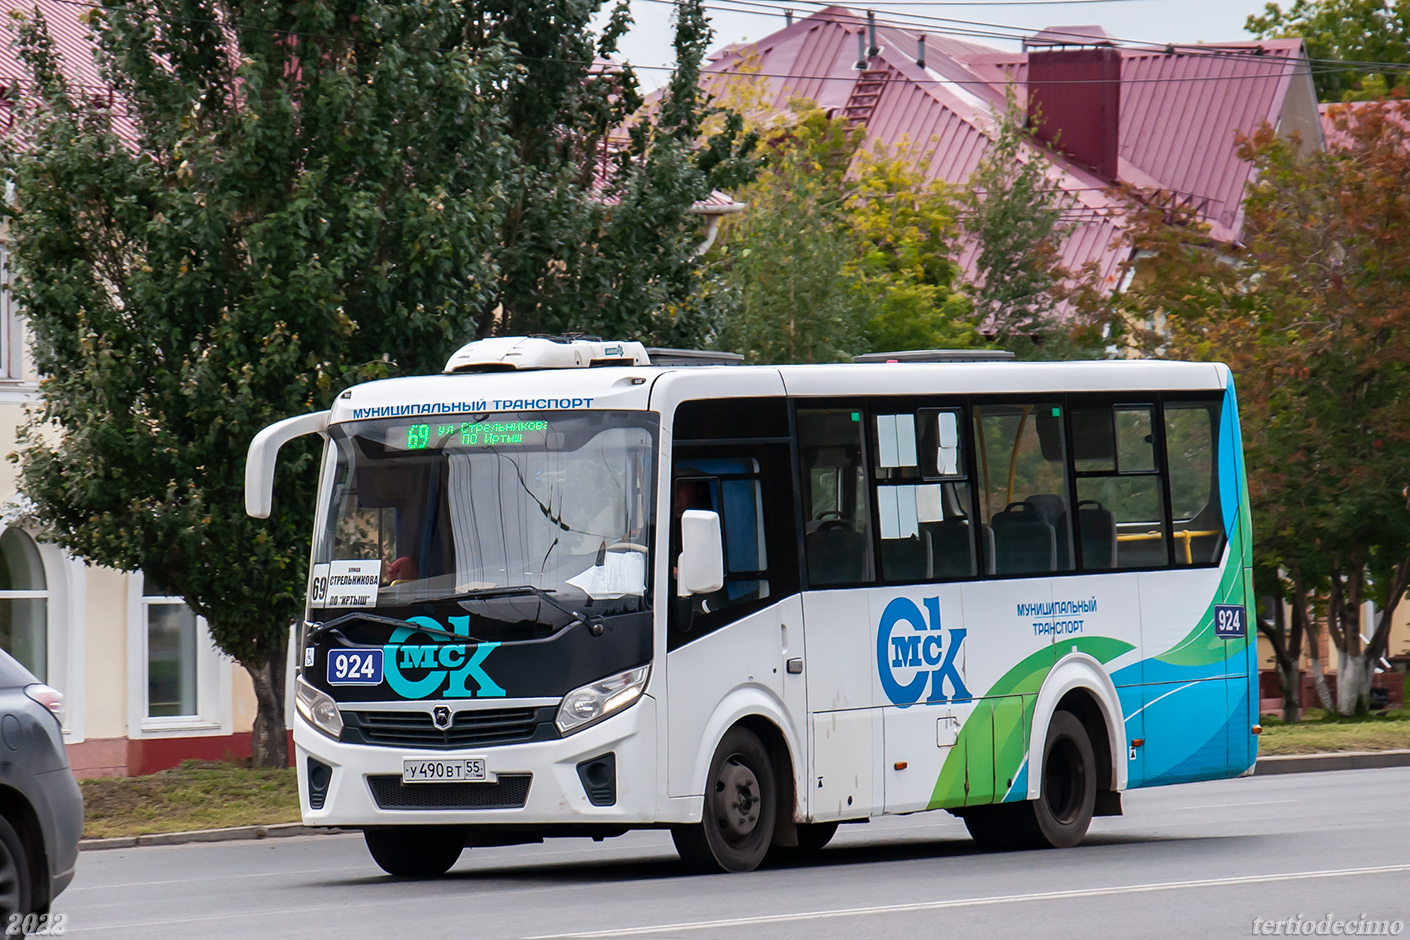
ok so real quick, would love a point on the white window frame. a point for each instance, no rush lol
(214, 709)
(14, 386)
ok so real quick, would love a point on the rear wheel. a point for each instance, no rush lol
(1060, 816)
(415, 851)
(741, 803)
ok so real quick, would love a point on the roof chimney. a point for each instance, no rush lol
(1074, 103)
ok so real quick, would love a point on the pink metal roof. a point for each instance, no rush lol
(1180, 111)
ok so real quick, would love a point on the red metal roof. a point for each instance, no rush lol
(1179, 114)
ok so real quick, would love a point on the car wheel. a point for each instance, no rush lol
(415, 851)
(741, 804)
(16, 883)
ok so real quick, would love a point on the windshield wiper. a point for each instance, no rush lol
(335, 626)
(594, 621)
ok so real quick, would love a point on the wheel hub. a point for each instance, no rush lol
(737, 800)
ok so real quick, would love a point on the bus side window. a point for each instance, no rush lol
(1023, 486)
(1120, 504)
(922, 496)
(836, 524)
(1196, 516)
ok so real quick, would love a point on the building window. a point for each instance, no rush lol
(24, 603)
(11, 331)
(172, 636)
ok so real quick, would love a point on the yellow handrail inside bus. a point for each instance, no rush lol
(1013, 458)
(1188, 535)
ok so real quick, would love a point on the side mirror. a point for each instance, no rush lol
(264, 454)
(700, 569)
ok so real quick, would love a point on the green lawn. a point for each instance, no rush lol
(195, 795)
(1320, 732)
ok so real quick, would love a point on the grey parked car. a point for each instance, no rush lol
(41, 808)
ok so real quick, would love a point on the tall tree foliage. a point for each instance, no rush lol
(1371, 31)
(599, 235)
(303, 196)
(1013, 213)
(839, 253)
(1313, 315)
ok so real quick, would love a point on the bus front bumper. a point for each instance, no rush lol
(557, 793)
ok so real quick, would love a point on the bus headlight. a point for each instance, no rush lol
(317, 708)
(595, 701)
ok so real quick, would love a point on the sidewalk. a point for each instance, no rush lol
(1290, 764)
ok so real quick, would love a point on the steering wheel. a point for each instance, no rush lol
(627, 547)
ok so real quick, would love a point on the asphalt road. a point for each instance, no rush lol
(1200, 860)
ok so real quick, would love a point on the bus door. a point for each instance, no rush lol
(748, 633)
(846, 725)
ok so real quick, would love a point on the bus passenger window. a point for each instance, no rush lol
(925, 528)
(1120, 511)
(1023, 487)
(1196, 516)
(836, 527)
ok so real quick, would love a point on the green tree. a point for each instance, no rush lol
(1014, 214)
(599, 235)
(1313, 316)
(840, 251)
(1376, 32)
(282, 200)
(903, 225)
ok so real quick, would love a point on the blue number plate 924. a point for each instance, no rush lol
(355, 667)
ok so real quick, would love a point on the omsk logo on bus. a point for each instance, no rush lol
(912, 652)
(420, 670)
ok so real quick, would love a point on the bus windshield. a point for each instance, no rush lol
(500, 515)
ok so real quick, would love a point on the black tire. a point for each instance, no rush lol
(740, 806)
(415, 851)
(1060, 816)
(16, 879)
(994, 828)
(811, 838)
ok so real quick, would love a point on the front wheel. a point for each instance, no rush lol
(741, 803)
(415, 851)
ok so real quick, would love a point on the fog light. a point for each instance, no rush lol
(599, 777)
(320, 775)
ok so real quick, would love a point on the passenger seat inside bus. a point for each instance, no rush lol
(908, 559)
(837, 553)
(951, 548)
(1096, 526)
(1023, 542)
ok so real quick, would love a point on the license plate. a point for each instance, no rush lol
(461, 770)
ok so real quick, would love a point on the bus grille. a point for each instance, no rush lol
(510, 791)
(484, 728)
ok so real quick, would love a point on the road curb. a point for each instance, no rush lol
(233, 834)
(1342, 760)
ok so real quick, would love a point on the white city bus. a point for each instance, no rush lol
(561, 591)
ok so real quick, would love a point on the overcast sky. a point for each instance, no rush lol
(1153, 21)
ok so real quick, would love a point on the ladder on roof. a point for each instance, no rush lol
(866, 92)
